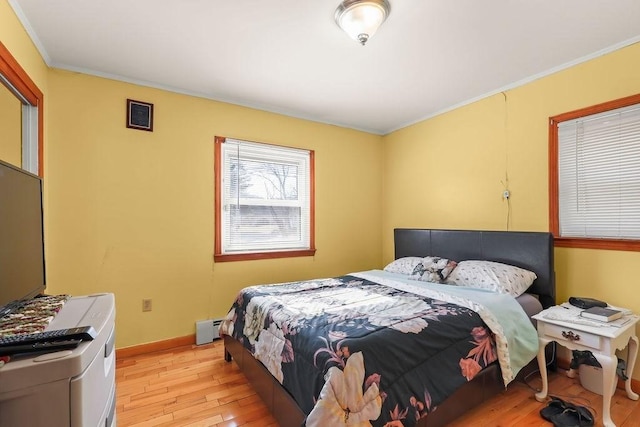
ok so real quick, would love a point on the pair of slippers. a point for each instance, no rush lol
(566, 414)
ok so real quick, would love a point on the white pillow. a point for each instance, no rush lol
(494, 276)
(404, 265)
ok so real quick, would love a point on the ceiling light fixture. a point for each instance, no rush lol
(360, 19)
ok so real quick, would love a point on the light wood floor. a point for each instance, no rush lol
(194, 386)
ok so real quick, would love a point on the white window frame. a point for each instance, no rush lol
(227, 247)
(594, 176)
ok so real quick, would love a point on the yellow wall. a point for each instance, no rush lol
(18, 42)
(132, 211)
(448, 171)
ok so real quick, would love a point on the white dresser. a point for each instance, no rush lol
(66, 388)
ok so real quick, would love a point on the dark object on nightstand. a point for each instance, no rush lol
(601, 314)
(583, 302)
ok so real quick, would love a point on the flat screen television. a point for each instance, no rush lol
(22, 270)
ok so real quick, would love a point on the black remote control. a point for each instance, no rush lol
(83, 333)
(39, 347)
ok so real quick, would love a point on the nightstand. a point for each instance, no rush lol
(601, 339)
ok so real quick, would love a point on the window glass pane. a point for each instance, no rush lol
(255, 225)
(267, 180)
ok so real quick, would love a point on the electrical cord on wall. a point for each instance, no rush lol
(506, 194)
(508, 211)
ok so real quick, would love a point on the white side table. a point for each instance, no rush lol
(600, 339)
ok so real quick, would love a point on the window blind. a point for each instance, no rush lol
(599, 175)
(265, 198)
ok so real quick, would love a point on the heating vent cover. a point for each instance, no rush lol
(207, 331)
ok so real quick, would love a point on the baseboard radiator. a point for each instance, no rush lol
(207, 331)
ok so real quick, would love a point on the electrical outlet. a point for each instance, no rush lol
(146, 304)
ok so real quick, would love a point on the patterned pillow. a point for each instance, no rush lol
(433, 269)
(494, 276)
(404, 265)
(427, 269)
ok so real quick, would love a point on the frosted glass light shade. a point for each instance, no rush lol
(360, 19)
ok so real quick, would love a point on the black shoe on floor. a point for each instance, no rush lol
(553, 408)
(578, 416)
(566, 414)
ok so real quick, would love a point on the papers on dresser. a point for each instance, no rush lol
(565, 312)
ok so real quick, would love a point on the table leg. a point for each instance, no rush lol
(542, 366)
(609, 364)
(633, 352)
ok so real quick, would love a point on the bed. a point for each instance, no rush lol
(294, 394)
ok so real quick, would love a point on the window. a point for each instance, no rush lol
(594, 177)
(18, 82)
(264, 201)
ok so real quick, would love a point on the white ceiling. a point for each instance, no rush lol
(289, 56)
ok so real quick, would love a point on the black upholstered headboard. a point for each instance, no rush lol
(530, 250)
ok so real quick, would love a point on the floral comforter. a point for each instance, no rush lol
(364, 350)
